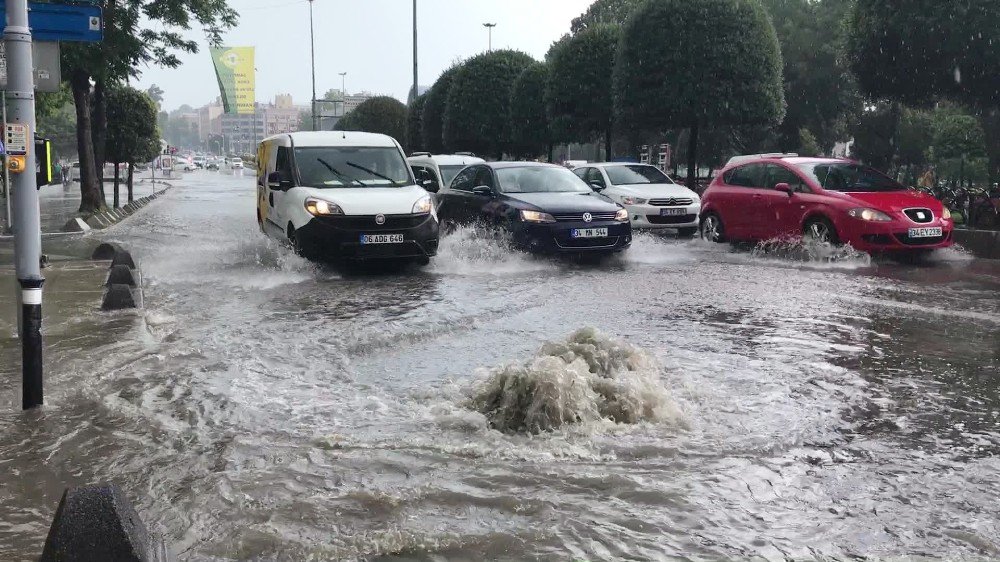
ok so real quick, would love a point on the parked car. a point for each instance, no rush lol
(544, 207)
(826, 199)
(436, 171)
(653, 199)
(344, 195)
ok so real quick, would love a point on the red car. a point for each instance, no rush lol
(828, 199)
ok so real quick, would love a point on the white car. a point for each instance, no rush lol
(234, 163)
(435, 171)
(653, 200)
(344, 196)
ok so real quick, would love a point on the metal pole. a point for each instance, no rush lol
(415, 92)
(489, 27)
(7, 226)
(24, 202)
(312, 50)
(343, 95)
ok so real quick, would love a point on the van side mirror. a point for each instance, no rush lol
(784, 188)
(429, 185)
(276, 180)
(483, 190)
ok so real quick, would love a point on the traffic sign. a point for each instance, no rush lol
(63, 22)
(16, 138)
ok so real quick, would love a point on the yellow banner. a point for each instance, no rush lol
(234, 67)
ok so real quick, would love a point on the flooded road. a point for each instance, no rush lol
(261, 407)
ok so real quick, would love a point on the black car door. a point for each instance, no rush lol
(453, 204)
(483, 206)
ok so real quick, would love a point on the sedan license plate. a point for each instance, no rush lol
(929, 232)
(589, 233)
(381, 238)
(672, 212)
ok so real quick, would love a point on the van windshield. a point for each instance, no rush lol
(333, 167)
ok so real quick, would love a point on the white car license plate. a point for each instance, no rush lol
(673, 212)
(589, 233)
(381, 238)
(929, 232)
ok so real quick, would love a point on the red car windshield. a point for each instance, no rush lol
(850, 178)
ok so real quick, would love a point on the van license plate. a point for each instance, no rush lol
(381, 238)
(673, 212)
(589, 233)
(929, 232)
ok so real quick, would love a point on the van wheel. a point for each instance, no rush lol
(712, 228)
(820, 229)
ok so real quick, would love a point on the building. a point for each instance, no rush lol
(242, 132)
(209, 123)
(352, 101)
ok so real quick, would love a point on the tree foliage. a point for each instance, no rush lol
(414, 127)
(432, 119)
(479, 102)
(381, 114)
(530, 134)
(133, 136)
(605, 11)
(579, 92)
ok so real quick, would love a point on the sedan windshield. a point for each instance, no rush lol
(848, 177)
(638, 174)
(333, 167)
(540, 179)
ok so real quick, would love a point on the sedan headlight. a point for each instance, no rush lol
(423, 205)
(321, 208)
(536, 216)
(945, 213)
(870, 215)
(633, 201)
(621, 215)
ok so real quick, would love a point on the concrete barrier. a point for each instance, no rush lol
(982, 243)
(109, 217)
(105, 251)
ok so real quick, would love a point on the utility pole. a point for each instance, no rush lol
(490, 27)
(343, 95)
(312, 50)
(20, 96)
(415, 92)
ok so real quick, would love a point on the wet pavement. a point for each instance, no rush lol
(262, 407)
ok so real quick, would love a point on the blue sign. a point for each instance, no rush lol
(63, 22)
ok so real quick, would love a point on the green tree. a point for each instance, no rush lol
(381, 114)
(874, 134)
(605, 11)
(136, 33)
(155, 93)
(132, 132)
(674, 71)
(530, 134)
(808, 146)
(957, 135)
(414, 128)
(56, 121)
(579, 92)
(476, 117)
(432, 120)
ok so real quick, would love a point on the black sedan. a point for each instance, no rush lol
(546, 208)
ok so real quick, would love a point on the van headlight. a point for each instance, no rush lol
(870, 215)
(621, 215)
(423, 205)
(321, 208)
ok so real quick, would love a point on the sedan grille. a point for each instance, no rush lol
(919, 215)
(578, 217)
(671, 202)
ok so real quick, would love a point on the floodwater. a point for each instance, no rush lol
(692, 400)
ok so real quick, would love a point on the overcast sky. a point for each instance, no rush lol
(371, 40)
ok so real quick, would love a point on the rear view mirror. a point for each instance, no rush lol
(276, 181)
(784, 188)
(596, 186)
(482, 190)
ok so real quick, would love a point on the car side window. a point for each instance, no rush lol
(483, 177)
(582, 173)
(594, 176)
(463, 181)
(751, 175)
(779, 174)
(283, 163)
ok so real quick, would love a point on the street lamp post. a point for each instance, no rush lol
(415, 50)
(490, 27)
(312, 51)
(343, 94)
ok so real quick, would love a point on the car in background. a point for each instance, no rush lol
(74, 171)
(653, 200)
(434, 171)
(234, 163)
(829, 200)
(199, 162)
(544, 207)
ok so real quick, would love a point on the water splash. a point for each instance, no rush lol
(588, 378)
(477, 251)
(811, 252)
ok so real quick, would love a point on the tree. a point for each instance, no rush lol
(605, 11)
(476, 116)
(414, 129)
(136, 33)
(56, 121)
(155, 93)
(530, 134)
(673, 70)
(579, 92)
(874, 135)
(807, 143)
(381, 114)
(132, 132)
(432, 120)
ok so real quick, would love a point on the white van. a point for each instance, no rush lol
(344, 195)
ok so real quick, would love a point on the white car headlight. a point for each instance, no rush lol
(321, 208)
(423, 205)
(633, 201)
(870, 215)
(536, 216)
(621, 215)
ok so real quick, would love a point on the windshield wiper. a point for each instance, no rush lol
(339, 173)
(374, 173)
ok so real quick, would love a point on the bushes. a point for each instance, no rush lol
(382, 114)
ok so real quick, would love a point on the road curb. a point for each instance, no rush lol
(109, 217)
(981, 243)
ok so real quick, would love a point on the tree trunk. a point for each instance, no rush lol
(117, 183)
(99, 130)
(131, 169)
(692, 173)
(91, 197)
(607, 145)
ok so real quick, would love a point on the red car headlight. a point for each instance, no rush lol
(869, 215)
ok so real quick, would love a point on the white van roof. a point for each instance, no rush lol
(446, 159)
(337, 138)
